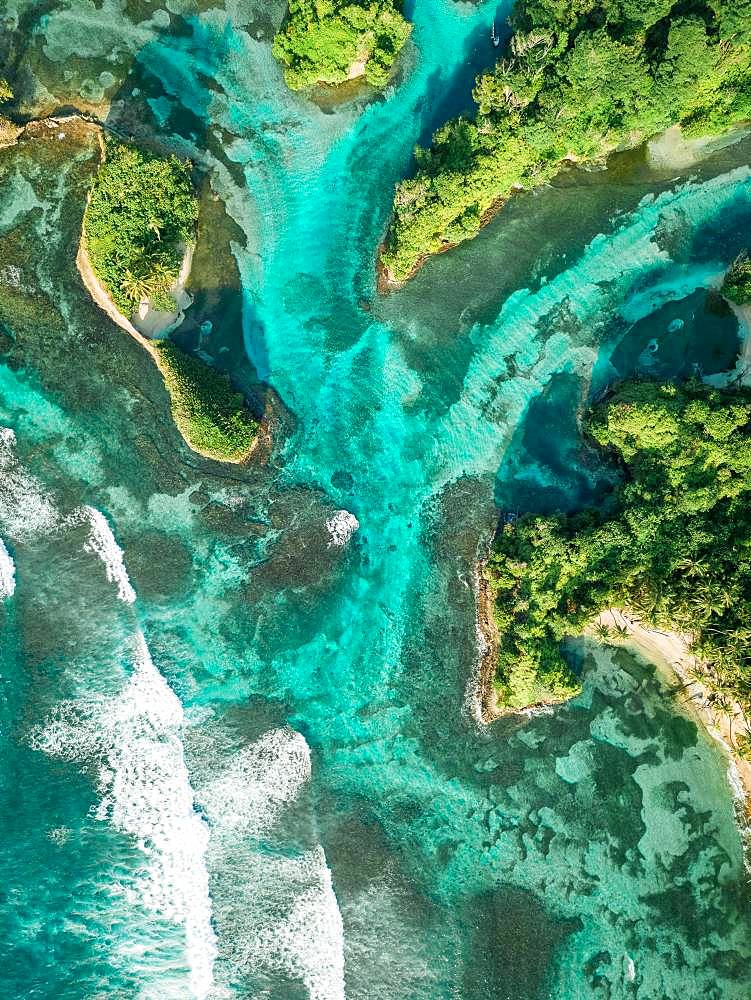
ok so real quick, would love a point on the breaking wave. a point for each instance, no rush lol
(102, 543)
(283, 916)
(7, 572)
(26, 509)
(341, 526)
(134, 742)
(291, 923)
(258, 783)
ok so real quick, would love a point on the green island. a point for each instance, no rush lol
(579, 80)
(141, 215)
(672, 544)
(323, 41)
(209, 414)
(737, 284)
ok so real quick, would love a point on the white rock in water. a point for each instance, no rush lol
(630, 969)
(341, 526)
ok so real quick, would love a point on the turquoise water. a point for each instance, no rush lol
(240, 760)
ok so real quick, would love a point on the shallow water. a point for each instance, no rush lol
(243, 761)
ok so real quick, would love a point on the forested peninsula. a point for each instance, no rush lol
(141, 215)
(325, 41)
(139, 222)
(672, 544)
(578, 81)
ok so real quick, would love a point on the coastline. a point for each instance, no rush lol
(482, 692)
(99, 295)
(154, 322)
(667, 650)
(671, 650)
(386, 282)
(665, 150)
(487, 709)
(742, 369)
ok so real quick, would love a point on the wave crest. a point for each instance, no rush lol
(7, 572)
(133, 740)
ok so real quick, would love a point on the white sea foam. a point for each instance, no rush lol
(284, 918)
(7, 572)
(102, 543)
(134, 740)
(341, 526)
(26, 509)
(258, 782)
(308, 940)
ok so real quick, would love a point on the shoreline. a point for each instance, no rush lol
(667, 650)
(487, 648)
(482, 693)
(671, 650)
(160, 323)
(100, 297)
(387, 283)
(655, 149)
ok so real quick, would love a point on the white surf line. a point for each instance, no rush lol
(146, 793)
(309, 941)
(102, 542)
(26, 509)
(259, 781)
(7, 573)
(284, 917)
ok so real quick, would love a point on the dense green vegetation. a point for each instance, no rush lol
(325, 41)
(210, 415)
(673, 545)
(737, 284)
(6, 92)
(142, 211)
(580, 79)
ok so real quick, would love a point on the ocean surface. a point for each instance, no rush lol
(240, 749)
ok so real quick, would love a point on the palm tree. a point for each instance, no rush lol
(693, 566)
(602, 631)
(135, 286)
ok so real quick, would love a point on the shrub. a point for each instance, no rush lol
(210, 415)
(737, 284)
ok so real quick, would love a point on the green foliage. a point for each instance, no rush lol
(6, 92)
(141, 212)
(210, 415)
(673, 544)
(323, 39)
(579, 80)
(737, 284)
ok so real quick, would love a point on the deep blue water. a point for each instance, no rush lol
(240, 760)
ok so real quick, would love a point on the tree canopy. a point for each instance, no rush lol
(324, 41)
(579, 80)
(210, 415)
(737, 284)
(142, 211)
(672, 544)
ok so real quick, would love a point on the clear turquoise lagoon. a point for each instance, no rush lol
(240, 752)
